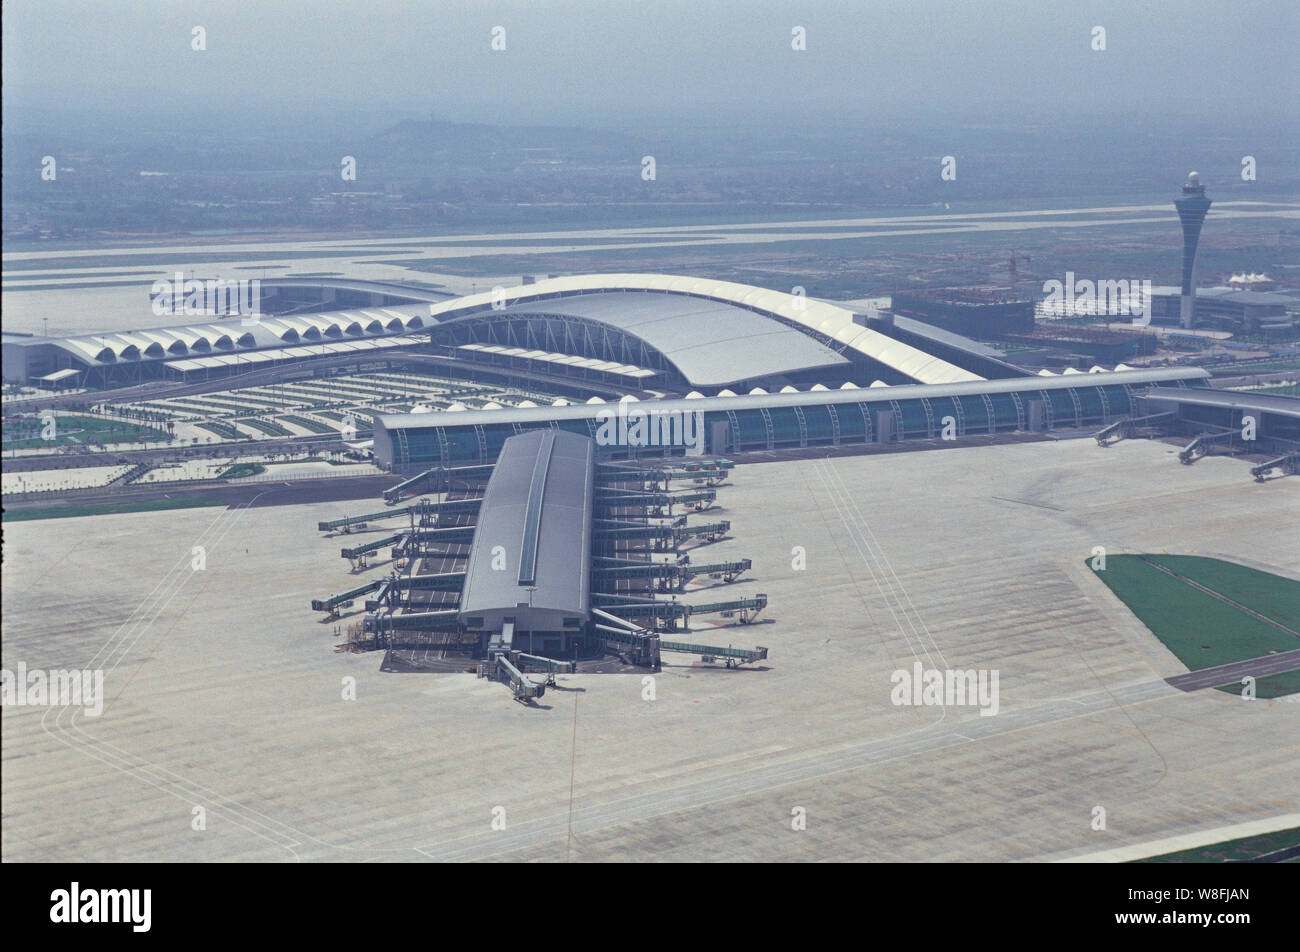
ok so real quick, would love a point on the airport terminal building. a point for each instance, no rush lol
(757, 369)
(774, 421)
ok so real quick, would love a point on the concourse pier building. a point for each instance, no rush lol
(545, 561)
(761, 370)
(762, 422)
(525, 586)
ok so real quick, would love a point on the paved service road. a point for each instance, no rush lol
(1233, 673)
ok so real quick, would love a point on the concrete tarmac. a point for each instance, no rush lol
(233, 730)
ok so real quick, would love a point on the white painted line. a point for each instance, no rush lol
(1187, 841)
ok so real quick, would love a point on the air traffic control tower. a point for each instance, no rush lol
(1191, 213)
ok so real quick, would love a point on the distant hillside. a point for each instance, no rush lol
(466, 140)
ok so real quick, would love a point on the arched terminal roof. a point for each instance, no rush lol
(234, 335)
(711, 343)
(752, 326)
(531, 552)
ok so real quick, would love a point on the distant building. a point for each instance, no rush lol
(1229, 309)
(1252, 282)
(1097, 345)
(971, 312)
(212, 347)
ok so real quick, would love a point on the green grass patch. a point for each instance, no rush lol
(1239, 850)
(1203, 631)
(1271, 595)
(70, 512)
(239, 470)
(211, 406)
(365, 418)
(1285, 390)
(223, 430)
(1241, 370)
(311, 425)
(267, 427)
(77, 430)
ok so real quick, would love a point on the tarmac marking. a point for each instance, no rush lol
(694, 795)
(1026, 502)
(878, 567)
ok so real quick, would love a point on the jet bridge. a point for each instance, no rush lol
(726, 571)
(666, 572)
(643, 647)
(1128, 427)
(348, 523)
(702, 462)
(387, 591)
(419, 541)
(709, 653)
(409, 485)
(663, 535)
(423, 510)
(382, 622)
(506, 664)
(431, 479)
(640, 645)
(354, 552)
(500, 668)
(612, 473)
(1290, 463)
(341, 600)
(657, 503)
(1202, 444)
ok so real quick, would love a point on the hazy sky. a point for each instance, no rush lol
(620, 62)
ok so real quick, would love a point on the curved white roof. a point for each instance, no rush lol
(1196, 376)
(168, 342)
(328, 326)
(827, 319)
(90, 348)
(200, 340)
(124, 346)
